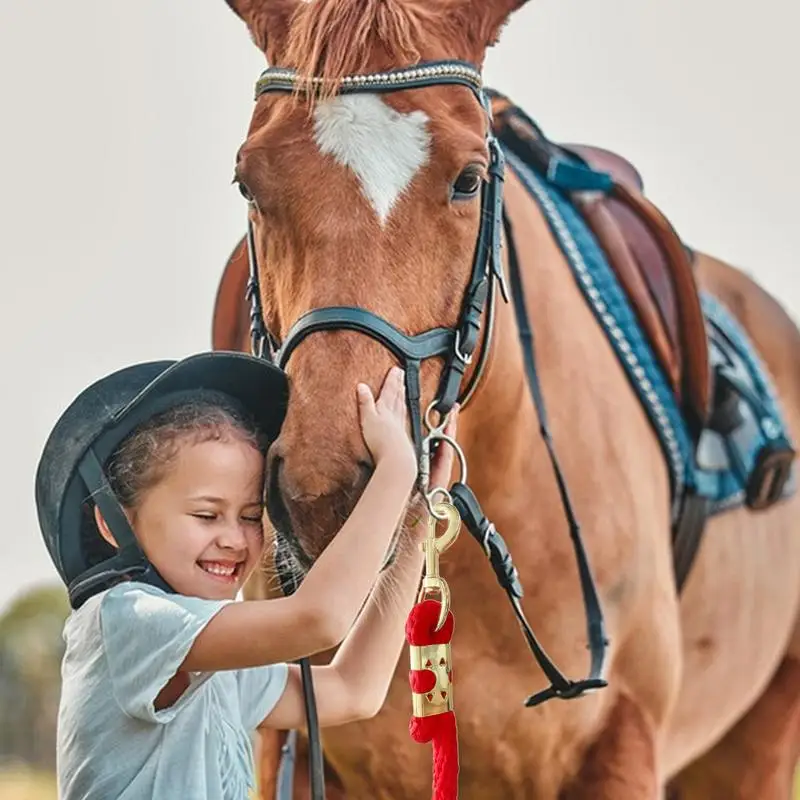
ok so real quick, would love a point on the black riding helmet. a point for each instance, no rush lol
(71, 469)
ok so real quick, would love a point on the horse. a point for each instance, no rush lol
(672, 393)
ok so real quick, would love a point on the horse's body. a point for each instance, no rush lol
(704, 687)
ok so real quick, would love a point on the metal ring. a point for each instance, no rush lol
(429, 501)
(428, 424)
(462, 459)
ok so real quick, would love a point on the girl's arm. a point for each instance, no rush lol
(319, 614)
(355, 684)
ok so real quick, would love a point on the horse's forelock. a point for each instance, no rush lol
(329, 39)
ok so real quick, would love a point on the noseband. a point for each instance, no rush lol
(457, 347)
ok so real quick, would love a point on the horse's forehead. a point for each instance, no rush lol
(385, 148)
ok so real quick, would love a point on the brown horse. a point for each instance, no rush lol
(372, 202)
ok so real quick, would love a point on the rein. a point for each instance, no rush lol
(457, 347)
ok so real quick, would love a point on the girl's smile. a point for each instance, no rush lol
(200, 523)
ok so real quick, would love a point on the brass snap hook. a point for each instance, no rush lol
(433, 546)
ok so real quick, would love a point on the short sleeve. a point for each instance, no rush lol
(146, 634)
(260, 688)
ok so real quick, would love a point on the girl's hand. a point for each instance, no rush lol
(384, 423)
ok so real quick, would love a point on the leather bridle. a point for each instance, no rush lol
(457, 347)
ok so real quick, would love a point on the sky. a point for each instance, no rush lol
(120, 122)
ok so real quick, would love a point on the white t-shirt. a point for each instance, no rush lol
(122, 646)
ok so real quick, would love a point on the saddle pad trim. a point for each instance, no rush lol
(609, 306)
(607, 299)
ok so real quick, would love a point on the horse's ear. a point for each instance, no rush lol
(487, 17)
(267, 20)
(237, 7)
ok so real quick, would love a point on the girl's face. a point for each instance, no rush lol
(201, 524)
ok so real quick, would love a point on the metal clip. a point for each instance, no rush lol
(433, 546)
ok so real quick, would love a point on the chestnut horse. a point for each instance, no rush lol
(373, 201)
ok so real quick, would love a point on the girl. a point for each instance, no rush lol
(150, 499)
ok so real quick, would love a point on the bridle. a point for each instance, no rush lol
(457, 347)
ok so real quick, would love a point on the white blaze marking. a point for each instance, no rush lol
(383, 147)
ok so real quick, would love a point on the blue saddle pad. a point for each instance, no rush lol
(717, 467)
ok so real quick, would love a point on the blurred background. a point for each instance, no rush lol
(120, 121)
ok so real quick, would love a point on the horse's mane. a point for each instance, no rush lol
(333, 38)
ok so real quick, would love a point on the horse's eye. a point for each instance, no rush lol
(468, 183)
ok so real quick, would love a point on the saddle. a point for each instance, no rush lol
(651, 263)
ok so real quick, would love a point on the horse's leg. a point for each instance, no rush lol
(621, 764)
(269, 744)
(302, 780)
(267, 755)
(756, 759)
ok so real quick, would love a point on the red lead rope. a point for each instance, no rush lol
(431, 679)
(429, 629)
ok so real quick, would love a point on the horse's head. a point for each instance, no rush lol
(366, 199)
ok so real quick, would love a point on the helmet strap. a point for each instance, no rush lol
(130, 562)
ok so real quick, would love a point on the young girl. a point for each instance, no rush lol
(150, 499)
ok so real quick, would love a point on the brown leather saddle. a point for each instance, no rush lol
(656, 273)
(649, 259)
(230, 325)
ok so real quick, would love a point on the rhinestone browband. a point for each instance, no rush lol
(426, 74)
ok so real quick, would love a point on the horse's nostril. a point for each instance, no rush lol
(305, 511)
